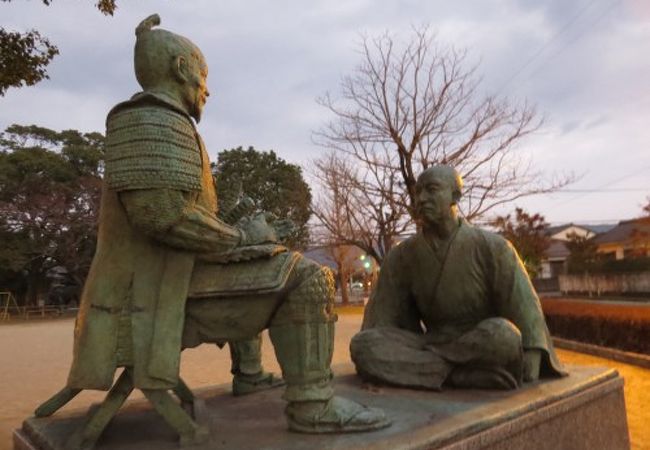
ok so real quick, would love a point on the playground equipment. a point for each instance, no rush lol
(9, 305)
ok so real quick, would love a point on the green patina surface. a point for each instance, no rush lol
(161, 241)
(453, 304)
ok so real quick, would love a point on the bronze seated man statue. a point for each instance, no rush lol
(168, 273)
(453, 305)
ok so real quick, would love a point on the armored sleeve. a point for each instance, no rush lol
(149, 147)
(171, 218)
(153, 162)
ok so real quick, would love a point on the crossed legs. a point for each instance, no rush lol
(488, 356)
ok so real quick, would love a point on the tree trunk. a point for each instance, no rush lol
(34, 288)
(344, 284)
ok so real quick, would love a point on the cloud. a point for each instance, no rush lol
(583, 64)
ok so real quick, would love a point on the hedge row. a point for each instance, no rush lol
(631, 335)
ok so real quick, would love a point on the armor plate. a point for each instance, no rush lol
(149, 147)
(260, 276)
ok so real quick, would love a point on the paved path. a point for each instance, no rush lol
(35, 357)
(637, 393)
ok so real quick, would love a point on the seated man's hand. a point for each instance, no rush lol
(532, 361)
(257, 230)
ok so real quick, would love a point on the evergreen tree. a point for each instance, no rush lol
(272, 183)
(25, 56)
(50, 186)
(528, 235)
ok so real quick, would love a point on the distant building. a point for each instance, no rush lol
(321, 255)
(352, 256)
(554, 261)
(628, 239)
(555, 258)
(357, 262)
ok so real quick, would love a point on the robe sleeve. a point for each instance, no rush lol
(515, 299)
(391, 304)
(172, 218)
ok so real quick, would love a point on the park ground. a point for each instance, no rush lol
(35, 357)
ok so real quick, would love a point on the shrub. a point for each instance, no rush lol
(625, 327)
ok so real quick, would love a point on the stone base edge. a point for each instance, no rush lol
(22, 442)
(636, 359)
(605, 399)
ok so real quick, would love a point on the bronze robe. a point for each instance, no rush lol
(133, 303)
(445, 293)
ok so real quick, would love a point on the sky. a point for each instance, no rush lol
(584, 64)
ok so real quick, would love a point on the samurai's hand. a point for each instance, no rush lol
(284, 228)
(257, 230)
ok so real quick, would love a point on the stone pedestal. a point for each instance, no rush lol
(583, 411)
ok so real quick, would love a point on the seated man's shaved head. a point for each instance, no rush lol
(443, 172)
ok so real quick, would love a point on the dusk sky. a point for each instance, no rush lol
(585, 64)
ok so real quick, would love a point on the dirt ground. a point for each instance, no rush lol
(35, 357)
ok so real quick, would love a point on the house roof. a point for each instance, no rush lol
(599, 229)
(625, 230)
(596, 229)
(557, 228)
(323, 256)
(550, 231)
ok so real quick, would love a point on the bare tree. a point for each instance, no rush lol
(404, 109)
(334, 223)
(343, 257)
(358, 207)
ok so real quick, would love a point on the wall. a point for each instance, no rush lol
(607, 284)
(613, 248)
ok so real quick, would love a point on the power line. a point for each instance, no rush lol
(565, 222)
(592, 191)
(587, 222)
(548, 43)
(609, 183)
(576, 37)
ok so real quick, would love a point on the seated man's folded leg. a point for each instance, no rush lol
(399, 357)
(302, 332)
(469, 377)
(488, 356)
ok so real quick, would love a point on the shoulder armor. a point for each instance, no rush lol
(148, 147)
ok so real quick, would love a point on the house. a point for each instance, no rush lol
(360, 270)
(554, 262)
(562, 232)
(352, 256)
(628, 239)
